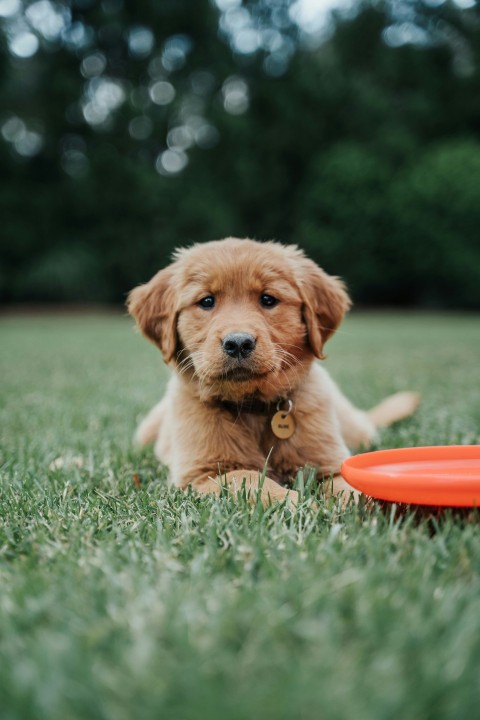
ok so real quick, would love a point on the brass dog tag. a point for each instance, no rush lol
(283, 424)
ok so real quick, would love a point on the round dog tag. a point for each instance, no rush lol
(283, 425)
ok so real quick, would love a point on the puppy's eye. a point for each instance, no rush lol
(268, 301)
(207, 303)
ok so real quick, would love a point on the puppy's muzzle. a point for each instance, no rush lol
(238, 345)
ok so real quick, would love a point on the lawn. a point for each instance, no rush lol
(121, 599)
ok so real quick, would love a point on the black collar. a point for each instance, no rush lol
(251, 406)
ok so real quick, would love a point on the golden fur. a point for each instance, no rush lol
(195, 432)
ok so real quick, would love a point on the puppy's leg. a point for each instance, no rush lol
(393, 408)
(235, 480)
(358, 427)
(149, 429)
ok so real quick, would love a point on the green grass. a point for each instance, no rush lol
(123, 602)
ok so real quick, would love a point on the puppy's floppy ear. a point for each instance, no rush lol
(325, 303)
(153, 306)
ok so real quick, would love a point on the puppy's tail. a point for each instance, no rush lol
(393, 408)
(148, 430)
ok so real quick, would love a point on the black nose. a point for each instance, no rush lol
(238, 344)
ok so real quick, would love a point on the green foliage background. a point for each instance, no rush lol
(364, 151)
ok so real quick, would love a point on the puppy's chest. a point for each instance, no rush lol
(285, 455)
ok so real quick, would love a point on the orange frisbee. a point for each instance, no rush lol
(444, 475)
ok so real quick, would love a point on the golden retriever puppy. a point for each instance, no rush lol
(241, 323)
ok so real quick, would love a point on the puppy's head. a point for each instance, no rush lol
(240, 317)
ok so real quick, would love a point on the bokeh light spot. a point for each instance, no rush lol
(23, 45)
(13, 129)
(235, 95)
(140, 127)
(75, 163)
(272, 40)
(141, 41)
(275, 65)
(224, 5)
(235, 19)
(29, 144)
(77, 36)
(247, 41)
(403, 34)
(175, 52)
(171, 162)
(180, 138)
(104, 95)
(48, 20)
(8, 8)
(93, 65)
(162, 92)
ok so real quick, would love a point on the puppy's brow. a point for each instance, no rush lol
(236, 277)
(193, 292)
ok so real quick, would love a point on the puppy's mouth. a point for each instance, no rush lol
(240, 374)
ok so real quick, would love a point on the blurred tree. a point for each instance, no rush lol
(436, 206)
(98, 123)
(365, 212)
(345, 220)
